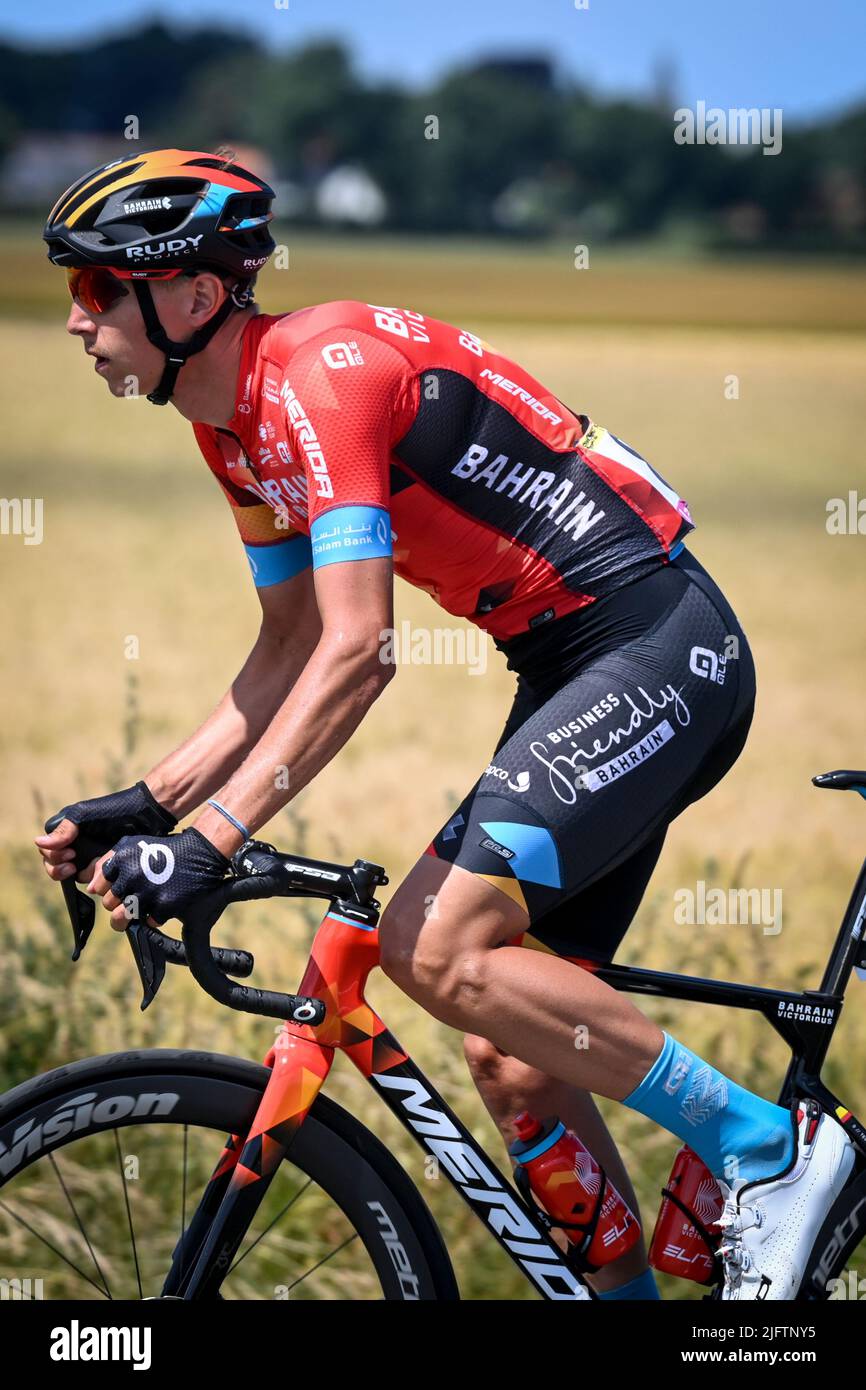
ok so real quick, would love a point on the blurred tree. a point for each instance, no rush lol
(493, 128)
(145, 72)
(623, 159)
(8, 129)
(499, 145)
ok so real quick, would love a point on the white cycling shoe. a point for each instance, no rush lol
(769, 1226)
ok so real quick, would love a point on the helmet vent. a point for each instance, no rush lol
(85, 189)
(225, 168)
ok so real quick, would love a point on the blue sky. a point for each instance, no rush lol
(804, 57)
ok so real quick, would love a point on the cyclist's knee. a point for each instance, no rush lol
(494, 1070)
(426, 967)
(435, 941)
(412, 951)
(507, 1086)
(483, 1057)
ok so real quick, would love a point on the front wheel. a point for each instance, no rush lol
(103, 1162)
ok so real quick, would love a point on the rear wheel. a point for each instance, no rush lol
(828, 1271)
(102, 1164)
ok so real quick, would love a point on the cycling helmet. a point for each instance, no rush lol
(167, 210)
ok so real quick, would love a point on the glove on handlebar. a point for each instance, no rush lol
(103, 820)
(163, 874)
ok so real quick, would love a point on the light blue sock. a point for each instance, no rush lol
(736, 1133)
(641, 1286)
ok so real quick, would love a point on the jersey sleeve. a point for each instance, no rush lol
(347, 402)
(275, 549)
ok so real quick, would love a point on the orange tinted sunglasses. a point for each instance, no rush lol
(98, 288)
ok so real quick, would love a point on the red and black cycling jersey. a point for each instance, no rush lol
(361, 430)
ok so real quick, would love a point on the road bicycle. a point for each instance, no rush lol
(340, 1216)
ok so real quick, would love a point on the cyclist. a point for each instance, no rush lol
(353, 441)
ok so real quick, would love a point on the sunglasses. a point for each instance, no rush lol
(98, 288)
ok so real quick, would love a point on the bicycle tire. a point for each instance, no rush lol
(221, 1092)
(841, 1234)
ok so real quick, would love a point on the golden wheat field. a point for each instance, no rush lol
(138, 542)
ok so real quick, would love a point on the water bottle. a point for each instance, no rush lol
(684, 1241)
(573, 1189)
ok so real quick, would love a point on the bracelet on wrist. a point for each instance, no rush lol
(238, 825)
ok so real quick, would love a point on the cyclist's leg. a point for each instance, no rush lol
(587, 780)
(508, 1086)
(513, 851)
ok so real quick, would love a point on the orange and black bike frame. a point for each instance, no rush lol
(331, 1012)
(344, 952)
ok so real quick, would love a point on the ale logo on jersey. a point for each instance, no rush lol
(342, 355)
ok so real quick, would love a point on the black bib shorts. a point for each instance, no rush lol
(626, 712)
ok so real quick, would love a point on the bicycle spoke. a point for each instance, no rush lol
(70, 1230)
(128, 1214)
(72, 1207)
(53, 1248)
(324, 1260)
(277, 1218)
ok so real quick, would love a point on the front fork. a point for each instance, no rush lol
(342, 956)
(242, 1176)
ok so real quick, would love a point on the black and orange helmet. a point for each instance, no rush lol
(161, 211)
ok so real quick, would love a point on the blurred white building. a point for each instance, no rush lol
(349, 194)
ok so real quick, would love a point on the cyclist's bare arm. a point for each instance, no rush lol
(289, 632)
(291, 628)
(326, 703)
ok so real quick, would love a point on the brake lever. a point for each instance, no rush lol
(82, 914)
(153, 950)
(80, 906)
(150, 963)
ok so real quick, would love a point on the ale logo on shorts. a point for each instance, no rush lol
(708, 664)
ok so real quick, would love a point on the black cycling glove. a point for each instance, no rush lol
(103, 820)
(160, 875)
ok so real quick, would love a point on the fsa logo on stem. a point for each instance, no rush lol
(342, 355)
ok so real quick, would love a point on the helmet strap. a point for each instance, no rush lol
(176, 354)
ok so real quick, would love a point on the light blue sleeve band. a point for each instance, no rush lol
(271, 564)
(238, 825)
(350, 533)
